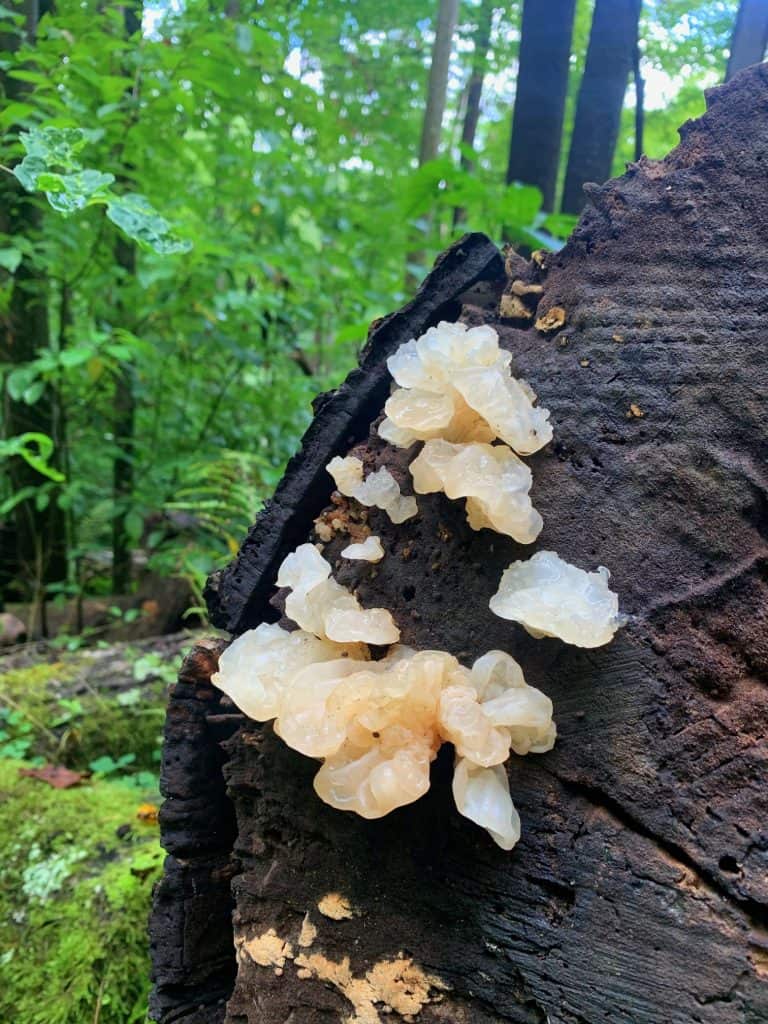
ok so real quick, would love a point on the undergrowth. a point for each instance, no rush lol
(75, 886)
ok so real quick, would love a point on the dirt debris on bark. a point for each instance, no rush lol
(638, 893)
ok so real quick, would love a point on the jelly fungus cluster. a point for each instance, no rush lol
(378, 724)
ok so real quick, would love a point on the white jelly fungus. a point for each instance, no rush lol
(320, 605)
(379, 489)
(492, 478)
(378, 725)
(369, 550)
(455, 383)
(550, 597)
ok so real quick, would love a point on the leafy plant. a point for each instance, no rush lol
(52, 165)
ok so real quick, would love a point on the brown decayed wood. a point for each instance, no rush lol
(638, 893)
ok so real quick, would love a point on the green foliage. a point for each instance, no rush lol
(74, 899)
(40, 723)
(36, 449)
(226, 200)
(73, 187)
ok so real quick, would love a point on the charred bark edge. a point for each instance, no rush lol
(190, 927)
(237, 596)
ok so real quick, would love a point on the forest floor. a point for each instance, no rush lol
(80, 735)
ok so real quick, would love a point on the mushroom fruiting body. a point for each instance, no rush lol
(550, 597)
(379, 489)
(320, 605)
(456, 384)
(378, 725)
(255, 668)
(369, 550)
(492, 478)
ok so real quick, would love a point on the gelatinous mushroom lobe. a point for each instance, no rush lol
(495, 482)
(550, 597)
(322, 606)
(257, 667)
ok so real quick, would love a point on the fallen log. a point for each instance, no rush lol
(638, 893)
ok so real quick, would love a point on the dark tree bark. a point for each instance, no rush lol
(39, 554)
(542, 84)
(482, 41)
(601, 96)
(750, 36)
(638, 893)
(639, 100)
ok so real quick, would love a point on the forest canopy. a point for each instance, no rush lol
(204, 205)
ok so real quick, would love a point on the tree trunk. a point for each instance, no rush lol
(447, 15)
(124, 432)
(638, 893)
(482, 41)
(542, 84)
(40, 555)
(750, 36)
(637, 74)
(601, 96)
(125, 400)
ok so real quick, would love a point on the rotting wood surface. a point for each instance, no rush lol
(638, 893)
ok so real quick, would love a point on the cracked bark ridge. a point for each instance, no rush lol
(638, 893)
(190, 926)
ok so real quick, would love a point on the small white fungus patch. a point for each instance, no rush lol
(379, 489)
(550, 597)
(320, 605)
(370, 550)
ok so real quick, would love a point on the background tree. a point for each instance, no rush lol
(601, 96)
(445, 26)
(542, 84)
(38, 549)
(474, 91)
(750, 36)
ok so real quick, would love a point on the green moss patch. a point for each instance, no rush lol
(76, 873)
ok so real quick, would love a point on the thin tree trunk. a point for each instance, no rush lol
(601, 96)
(639, 101)
(125, 402)
(40, 555)
(542, 85)
(750, 36)
(475, 91)
(447, 16)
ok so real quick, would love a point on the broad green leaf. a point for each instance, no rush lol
(10, 258)
(77, 355)
(136, 216)
(68, 193)
(560, 224)
(19, 380)
(519, 205)
(34, 392)
(15, 113)
(57, 147)
(29, 170)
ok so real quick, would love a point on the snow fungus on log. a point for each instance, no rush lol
(638, 893)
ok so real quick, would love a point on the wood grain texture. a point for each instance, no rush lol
(638, 893)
